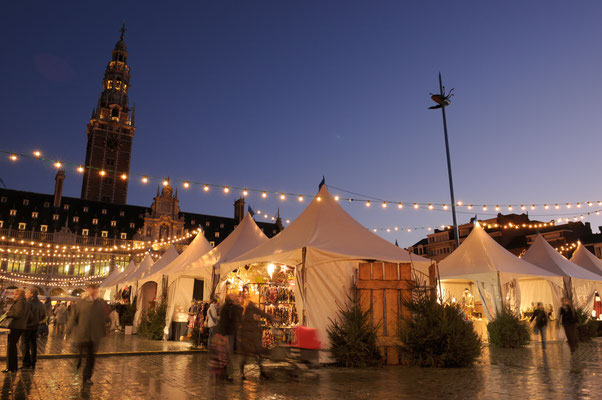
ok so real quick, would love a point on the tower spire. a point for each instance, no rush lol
(123, 30)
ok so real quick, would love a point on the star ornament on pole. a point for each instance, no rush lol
(442, 99)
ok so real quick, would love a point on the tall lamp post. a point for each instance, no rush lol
(443, 100)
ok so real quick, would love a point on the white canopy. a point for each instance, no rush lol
(334, 244)
(542, 254)
(155, 270)
(494, 271)
(578, 280)
(195, 250)
(126, 279)
(584, 258)
(112, 278)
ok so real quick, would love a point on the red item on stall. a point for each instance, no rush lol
(307, 338)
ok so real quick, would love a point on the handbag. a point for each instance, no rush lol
(5, 322)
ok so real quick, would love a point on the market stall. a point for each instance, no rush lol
(579, 283)
(482, 277)
(108, 287)
(325, 245)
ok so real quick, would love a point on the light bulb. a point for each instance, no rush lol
(226, 189)
(282, 196)
(384, 204)
(206, 188)
(144, 179)
(58, 164)
(37, 154)
(368, 203)
(186, 185)
(264, 195)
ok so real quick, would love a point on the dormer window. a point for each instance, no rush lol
(34, 214)
(13, 212)
(104, 211)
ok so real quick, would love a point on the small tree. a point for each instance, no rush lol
(587, 328)
(353, 337)
(153, 322)
(508, 331)
(128, 315)
(437, 335)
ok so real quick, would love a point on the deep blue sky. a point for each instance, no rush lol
(275, 94)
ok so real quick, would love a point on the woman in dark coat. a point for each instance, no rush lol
(251, 335)
(19, 312)
(568, 319)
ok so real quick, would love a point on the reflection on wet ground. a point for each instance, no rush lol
(528, 373)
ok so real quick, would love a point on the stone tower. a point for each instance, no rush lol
(110, 134)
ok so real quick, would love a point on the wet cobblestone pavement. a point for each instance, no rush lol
(528, 373)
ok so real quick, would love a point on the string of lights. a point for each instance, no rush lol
(368, 201)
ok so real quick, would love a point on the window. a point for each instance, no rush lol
(22, 226)
(55, 217)
(132, 225)
(124, 235)
(1, 224)
(34, 214)
(109, 84)
(25, 202)
(193, 222)
(46, 204)
(84, 232)
(104, 211)
(221, 225)
(212, 244)
(3, 199)
(75, 219)
(207, 223)
(121, 213)
(43, 228)
(85, 209)
(66, 207)
(104, 233)
(216, 234)
(115, 113)
(95, 221)
(13, 212)
(113, 223)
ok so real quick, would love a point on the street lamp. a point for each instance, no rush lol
(443, 100)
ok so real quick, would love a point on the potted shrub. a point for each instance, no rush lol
(127, 319)
(508, 331)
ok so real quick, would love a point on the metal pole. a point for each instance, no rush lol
(449, 170)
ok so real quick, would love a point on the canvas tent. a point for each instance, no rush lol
(585, 259)
(109, 284)
(578, 281)
(131, 278)
(498, 276)
(154, 272)
(326, 245)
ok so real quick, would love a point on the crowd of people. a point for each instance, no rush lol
(27, 318)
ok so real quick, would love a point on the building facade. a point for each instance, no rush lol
(110, 134)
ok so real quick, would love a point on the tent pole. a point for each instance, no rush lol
(303, 257)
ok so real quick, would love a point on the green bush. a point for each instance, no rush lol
(437, 335)
(587, 328)
(353, 337)
(153, 322)
(127, 318)
(508, 331)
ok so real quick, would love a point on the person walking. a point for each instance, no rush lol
(212, 318)
(61, 315)
(250, 337)
(87, 324)
(541, 323)
(29, 340)
(221, 345)
(568, 319)
(19, 312)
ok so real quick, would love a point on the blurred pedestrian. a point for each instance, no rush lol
(212, 317)
(19, 312)
(568, 319)
(114, 318)
(221, 345)
(87, 327)
(541, 322)
(61, 315)
(29, 340)
(251, 335)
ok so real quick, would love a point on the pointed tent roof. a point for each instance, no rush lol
(330, 231)
(245, 237)
(170, 254)
(479, 253)
(584, 258)
(195, 250)
(120, 274)
(146, 262)
(542, 254)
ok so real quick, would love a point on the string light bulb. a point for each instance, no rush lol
(384, 204)
(186, 185)
(13, 157)
(459, 203)
(282, 196)
(301, 198)
(226, 189)
(102, 172)
(336, 198)
(416, 206)
(430, 206)
(445, 206)
(399, 205)
(37, 154)
(206, 188)
(80, 169)
(144, 179)
(124, 177)
(245, 192)
(264, 195)
(368, 203)
(165, 182)
(58, 164)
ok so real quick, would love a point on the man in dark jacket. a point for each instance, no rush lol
(228, 326)
(19, 312)
(541, 321)
(568, 319)
(87, 326)
(251, 335)
(29, 341)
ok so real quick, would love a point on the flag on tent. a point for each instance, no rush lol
(250, 210)
(396, 244)
(322, 183)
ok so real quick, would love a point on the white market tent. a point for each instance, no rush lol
(130, 279)
(498, 276)
(107, 286)
(578, 280)
(245, 237)
(584, 258)
(154, 272)
(326, 245)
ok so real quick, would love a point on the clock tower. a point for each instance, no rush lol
(110, 134)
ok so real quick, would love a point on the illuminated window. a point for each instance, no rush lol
(221, 225)
(104, 211)
(34, 214)
(125, 87)
(84, 232)
(3, 199)
(109, 84)
(1, 224)
(207, 223)
(66, 206)
(55, 217)
(132, 225)
(95, 221)
(46, 204)
(43, 228)
(104, 233)
(13, 212)
(117, 85)
(25, 202)
(124, 235)
(113, 223)
(85, 209)
(22, 226)
(212, 244)
(121, 213)
(216, 234)
(75, 219)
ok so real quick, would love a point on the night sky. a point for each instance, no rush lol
(275, 94)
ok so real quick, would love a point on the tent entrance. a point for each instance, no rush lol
(198, 289)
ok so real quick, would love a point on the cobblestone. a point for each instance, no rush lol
(528, 373)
